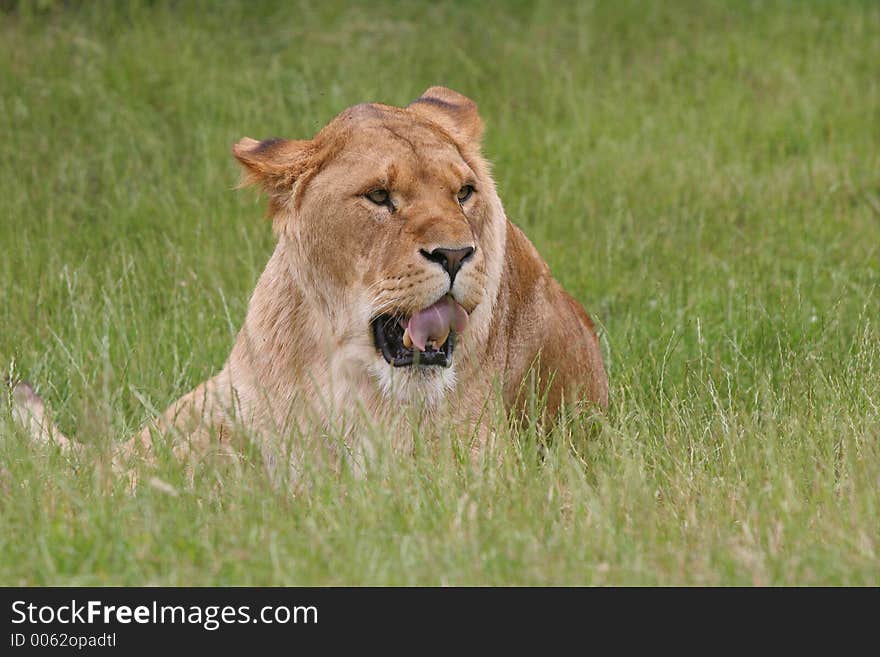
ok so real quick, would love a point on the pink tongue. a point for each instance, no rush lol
(434, 322)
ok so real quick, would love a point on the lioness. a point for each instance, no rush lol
(397, 282)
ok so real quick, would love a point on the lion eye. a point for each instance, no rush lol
(465, 193)
(379, 196)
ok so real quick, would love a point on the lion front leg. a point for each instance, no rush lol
(196, 426)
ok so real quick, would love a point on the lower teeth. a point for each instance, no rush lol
(433, 344)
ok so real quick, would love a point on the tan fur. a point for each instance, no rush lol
(305, 356)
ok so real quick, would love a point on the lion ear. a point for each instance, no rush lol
(272, 163)
(456, 114)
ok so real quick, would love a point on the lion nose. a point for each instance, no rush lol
(450, 259)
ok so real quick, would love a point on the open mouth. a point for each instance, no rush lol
(426, 338)
(388, 336)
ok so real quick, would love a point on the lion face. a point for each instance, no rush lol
(393, 221)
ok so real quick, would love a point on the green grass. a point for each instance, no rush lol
(703, 177)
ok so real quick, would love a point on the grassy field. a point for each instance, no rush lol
(703, 177)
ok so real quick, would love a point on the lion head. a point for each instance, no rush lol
(395, 234)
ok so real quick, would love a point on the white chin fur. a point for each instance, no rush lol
(427, 385)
